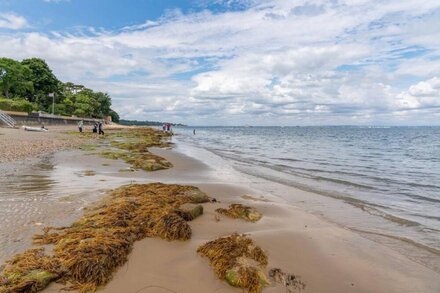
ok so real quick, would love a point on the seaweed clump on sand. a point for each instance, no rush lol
(237, 260)
(30, 271)
(134, 144)
(86, 253)
(241, 211)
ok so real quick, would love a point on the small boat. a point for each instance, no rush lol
(37, 129)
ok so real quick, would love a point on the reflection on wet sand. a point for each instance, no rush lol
(48, 191)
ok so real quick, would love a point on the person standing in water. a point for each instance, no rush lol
(194, 131)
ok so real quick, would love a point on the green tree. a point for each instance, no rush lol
(44, 82)
(105, 103)
(85, 104)
(14, 78)
(114, 115)
(33, 80)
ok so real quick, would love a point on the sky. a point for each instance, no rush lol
(241, 62)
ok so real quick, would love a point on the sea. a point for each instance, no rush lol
(382, 182)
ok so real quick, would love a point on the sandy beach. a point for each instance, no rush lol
(16, 144)
(327, 257)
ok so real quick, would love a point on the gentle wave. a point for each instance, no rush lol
(391, 172)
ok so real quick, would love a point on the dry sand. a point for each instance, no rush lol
(327, 257)
(16, 144)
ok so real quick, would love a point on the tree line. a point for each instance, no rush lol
(28, 86)
(145, 123)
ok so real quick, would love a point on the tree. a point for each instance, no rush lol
(14, 78)
(43, 80)
(30, 82)
(114, 115)
(105, 102)
(86, 104)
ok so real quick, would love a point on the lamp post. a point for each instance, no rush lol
(3, 73)
(53, 102)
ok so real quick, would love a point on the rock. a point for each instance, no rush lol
(197, 196)
(190, 211)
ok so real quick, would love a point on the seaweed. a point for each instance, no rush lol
(88, 147)
(86, 253)
(134, 148)
(237, 260)
(30, 271)
(240, 211)
(89, 173)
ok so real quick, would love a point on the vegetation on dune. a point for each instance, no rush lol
(237, 260)
(240, 211)
(26, 86)
(87, 253)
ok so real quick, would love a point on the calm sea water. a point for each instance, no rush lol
(389, 172)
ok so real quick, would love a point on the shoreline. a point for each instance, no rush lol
(347, 213)
(328, 258)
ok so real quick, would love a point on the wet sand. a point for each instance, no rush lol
(327, 257)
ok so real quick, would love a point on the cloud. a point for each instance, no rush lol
(425, 94)
(12, 21)
(269, 62)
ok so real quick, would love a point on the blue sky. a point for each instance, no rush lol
(110, 15)
(70, 15)
(233, 62)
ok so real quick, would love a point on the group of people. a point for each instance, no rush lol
(98, 128)
(166, 127)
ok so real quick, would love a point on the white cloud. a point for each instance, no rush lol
(275, 61)
(424, 94)
(12, 21)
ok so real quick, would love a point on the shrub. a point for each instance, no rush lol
(19, 105)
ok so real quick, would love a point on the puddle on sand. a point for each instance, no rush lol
(50, 191)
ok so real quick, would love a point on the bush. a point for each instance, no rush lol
(18, 105)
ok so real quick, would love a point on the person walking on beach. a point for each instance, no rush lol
(95, 130)
(80, 126)
(100, 128)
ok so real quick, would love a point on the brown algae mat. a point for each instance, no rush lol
(241, 211)
(237, 260)
(87, 253)
(133, 147)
